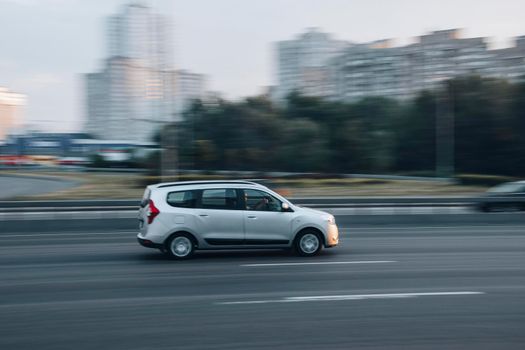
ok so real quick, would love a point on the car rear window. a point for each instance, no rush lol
(182, 199)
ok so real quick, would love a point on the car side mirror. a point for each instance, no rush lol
(285, 207)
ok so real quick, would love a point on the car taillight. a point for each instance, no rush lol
(153, 211)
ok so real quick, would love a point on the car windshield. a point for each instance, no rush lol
(507, 188)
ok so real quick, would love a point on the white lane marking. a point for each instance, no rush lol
(348, 297)
(414, 210)
(322, 263)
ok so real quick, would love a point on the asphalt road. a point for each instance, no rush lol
(14, 186)
(408, 285)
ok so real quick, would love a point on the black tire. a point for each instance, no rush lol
(308, 243)
(180, 246)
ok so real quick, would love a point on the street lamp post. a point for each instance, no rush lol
(444, 133)
(169, 155)
(445, 127)
(169, 152)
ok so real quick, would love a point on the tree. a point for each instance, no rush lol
(416, 135)
(372, 135)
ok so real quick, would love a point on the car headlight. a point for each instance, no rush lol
(331, 220)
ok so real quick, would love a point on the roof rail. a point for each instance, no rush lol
(209, 182)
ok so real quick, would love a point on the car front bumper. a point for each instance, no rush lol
(332, 236)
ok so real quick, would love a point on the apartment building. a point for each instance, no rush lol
(382, 69)
(11, 111)
(137, 90)
(304, 64)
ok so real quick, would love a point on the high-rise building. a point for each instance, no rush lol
(138, 91)
(401, 72)
(509, 63)
(303, 64)
(139, 34)
(381, 69)
(11, 111)
(96, 102)
(188, 87)
(133, 95)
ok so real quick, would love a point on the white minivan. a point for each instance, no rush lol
(181, 217)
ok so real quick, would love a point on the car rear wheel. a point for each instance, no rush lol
(308, 243)
(180, 247)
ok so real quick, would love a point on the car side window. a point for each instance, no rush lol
(182, 199)
(220, 198)
(261, 201)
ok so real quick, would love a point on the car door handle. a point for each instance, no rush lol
(252, 217)
(204, 215)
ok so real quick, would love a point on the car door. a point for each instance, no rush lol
(265, 223)
(219, 218)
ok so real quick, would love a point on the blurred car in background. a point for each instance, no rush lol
(16, 161)
(508, 196)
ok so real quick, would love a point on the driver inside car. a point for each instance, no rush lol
(260, 205)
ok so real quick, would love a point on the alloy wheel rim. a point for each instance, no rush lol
(181, 246)
(309, 243)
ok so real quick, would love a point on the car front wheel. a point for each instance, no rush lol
(308, 243)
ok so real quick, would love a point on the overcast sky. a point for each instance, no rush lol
(45, 45)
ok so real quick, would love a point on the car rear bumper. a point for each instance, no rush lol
(149, 244)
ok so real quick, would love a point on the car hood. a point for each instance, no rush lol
(313, 211)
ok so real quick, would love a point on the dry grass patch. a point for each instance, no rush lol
(131, 186)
